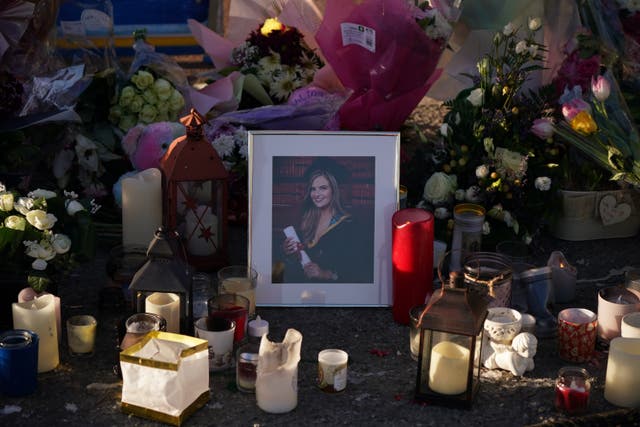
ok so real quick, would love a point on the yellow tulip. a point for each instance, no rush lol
(583, 123)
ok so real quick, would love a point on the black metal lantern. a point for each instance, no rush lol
(449, 362)
(163, 284)
(195, 187)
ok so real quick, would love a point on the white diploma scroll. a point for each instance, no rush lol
(291, 232)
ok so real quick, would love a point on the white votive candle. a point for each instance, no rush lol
(448, 369)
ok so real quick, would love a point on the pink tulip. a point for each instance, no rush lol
(601, 88)
(543, 128)
(571, 108)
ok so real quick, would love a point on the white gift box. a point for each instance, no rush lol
(165, 377)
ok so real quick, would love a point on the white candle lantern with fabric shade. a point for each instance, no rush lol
(195, 187)
(451, 328)
(163, 284)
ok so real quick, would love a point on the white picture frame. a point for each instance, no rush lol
(280, 167)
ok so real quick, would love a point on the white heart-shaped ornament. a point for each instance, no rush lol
(613, 212)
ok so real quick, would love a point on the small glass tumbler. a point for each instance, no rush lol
(232, 307)
(573, 386)
(81, 334)
(239, 280)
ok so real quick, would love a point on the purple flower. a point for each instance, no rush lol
(543, 128)
(573, 107)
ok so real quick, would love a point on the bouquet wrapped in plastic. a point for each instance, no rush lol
(386, 52)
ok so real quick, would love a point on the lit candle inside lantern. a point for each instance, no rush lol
(623, 376)
(167, 306)
(141, 207)
(202, 231)
(448, 368)
(563, 276)
(39, 316)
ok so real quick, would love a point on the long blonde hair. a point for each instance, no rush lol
(311, 213)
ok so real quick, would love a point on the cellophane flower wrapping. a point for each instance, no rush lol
(379, 51)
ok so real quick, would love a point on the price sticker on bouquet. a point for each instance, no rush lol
(358, 34)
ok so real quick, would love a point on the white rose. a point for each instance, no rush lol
(521, 46)
(441, 213)
(535, 23)
(533, 49)
(42, 250)
(508, 29)
(39, 264)
(542, 183)
(73, 207)
(482, 171)
(15, 222)
(459, 194)
(40, 219)
(439, 187)
(476, 97)
(36, 194)
(61, 243)
(6, 202)
(163, 89)
(473, 194)
(23, 205)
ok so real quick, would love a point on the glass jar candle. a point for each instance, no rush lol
(467, 232)
(573, 386)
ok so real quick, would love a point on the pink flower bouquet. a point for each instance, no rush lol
(386, 53)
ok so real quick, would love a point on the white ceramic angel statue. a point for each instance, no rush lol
(516, 357)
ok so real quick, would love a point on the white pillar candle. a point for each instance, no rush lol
(202, 231)
(167, 306)
(449, 368)
(39, 316)
(28, 294)
(623, 374)
(141, 207)
(613, 303)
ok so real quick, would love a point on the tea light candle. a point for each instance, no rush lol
(622, 380)
(449, 368)
(141, 207)
(202, 231)
(167, 306)
(563, 276)
(613, 303)
(39, 316)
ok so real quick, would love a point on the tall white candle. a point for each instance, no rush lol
(167, 306)
(202, 231)
(449, 368)
(623, 374)
(141, 207)
(39, 316)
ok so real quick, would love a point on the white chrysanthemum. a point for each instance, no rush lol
(482, 171)
(282, 86)
(224, 145)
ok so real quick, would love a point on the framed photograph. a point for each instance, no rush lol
(320, 208)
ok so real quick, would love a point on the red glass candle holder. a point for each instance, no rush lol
(573, 386)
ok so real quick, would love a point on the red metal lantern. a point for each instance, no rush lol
(195, 187)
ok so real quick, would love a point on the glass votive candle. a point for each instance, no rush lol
(233, 307)
(573, 386)
(81, 334)
(239, 280)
